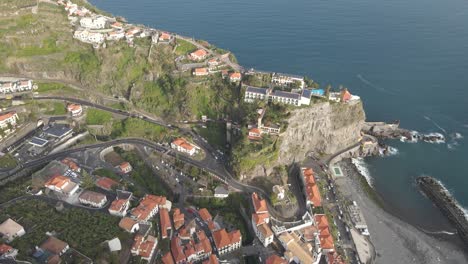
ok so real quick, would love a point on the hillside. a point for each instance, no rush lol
(37, 42)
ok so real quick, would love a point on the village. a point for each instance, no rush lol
(148, 189)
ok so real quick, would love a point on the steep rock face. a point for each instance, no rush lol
(323, 128)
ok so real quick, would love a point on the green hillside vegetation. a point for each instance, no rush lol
(97, 117)
(34, 44)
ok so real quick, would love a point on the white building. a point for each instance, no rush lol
(221, 192)
(116, 35)
(182, 145)
(94, 199)
(24, 85)
(62, 184)
(262, 229)
(121, 204)
(287, 79)
(11, 230)
(227, 242)
(255, 93)
(97, 22)
(75, 109)
(89, 37)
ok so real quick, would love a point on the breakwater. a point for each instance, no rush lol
(441, 197)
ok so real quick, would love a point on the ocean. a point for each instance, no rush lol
(407, 59)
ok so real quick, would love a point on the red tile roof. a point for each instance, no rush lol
(106, 183)
(165, 36)
(71, 164)
(124, 166)
(326, 240)
(235, 75)
(345, 95)
(4, 248)
(147, 205)
(73, 107)
(204, 241)
(54, 245)
(199, 53)
(178, 218)
(127, 223)
(137, 242)
(147, 247)
(165, 221)
(205, 215)
(334, 258)
(117, 205)
(176, 250)
(223, 239)
(260, 205)
(260, 218)
(182, 142)
(312, 190)
(275, 259)
(167, 259)
(59, 181)
(7, 115)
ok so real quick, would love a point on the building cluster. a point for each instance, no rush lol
(16, 86)
(184, 146)
(268, 94)
(96, 29)
(49, 251)
(306, 241)
(269, 128)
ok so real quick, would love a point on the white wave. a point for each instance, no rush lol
(435, 124)
(434, 138)
(439, 232)
(457, 135)
(457, 204)
(451, 146)
(378, 88)
(392, 151)
(361, 167)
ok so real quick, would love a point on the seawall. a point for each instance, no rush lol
(440, 196)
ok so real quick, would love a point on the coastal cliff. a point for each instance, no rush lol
(323, 128)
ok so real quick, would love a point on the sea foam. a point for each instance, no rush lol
(361, 167)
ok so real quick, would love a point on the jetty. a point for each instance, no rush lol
(441, 197)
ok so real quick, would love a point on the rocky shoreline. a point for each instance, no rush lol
(384, 130)
(395, 240)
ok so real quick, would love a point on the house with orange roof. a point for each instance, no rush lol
(184, 146)
(310, 189)
(24, 85)
(121, 203)
(275, 259)
(189, 252)
(201, 71)
(259, 204)
(213, 62)
(149, 206)
(204, 244)
(334, 258)
(128, 224)
(7, 252)
(71, 164)
(235, 77)
(199, 55)
(205, 215)
(227, 242)
(255, 134)
(62, 184)
(125, 167)
(106, 183)
(345, 95)
(326, 239)
(117, 25)
(167, 258)
(165, 37)
(144, 247)
(75, 109)
(185, 234)
(179, 218)
(262, 229)
(177, 251)
(164, 222)
(130, 34)
(8, 119)
(115, 35)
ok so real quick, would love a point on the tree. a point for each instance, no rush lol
(87, 181)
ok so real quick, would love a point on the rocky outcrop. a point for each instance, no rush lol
(322, 128)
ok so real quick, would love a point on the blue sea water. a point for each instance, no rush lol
(407, 59)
